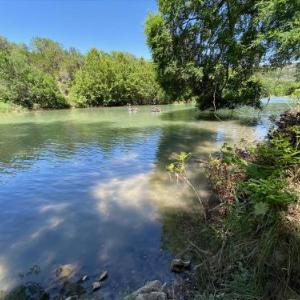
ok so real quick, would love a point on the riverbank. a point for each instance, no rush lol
(8, 108)
(253, 246)
(225, 114)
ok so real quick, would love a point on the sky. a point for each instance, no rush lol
(83, 24)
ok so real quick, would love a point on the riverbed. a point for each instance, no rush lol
(89, 188)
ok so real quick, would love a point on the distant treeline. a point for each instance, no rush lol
(280, 81)
(46, 75)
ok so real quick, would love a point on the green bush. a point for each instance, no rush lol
(25, 85)
(115, 79)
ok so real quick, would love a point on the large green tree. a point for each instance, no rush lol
(209, 49)
(114, 79)
(24, 84)
(53, 59)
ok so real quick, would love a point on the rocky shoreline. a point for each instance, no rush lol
(89, 287)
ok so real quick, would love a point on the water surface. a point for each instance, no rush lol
(89, 188)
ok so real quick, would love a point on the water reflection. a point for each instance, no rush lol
(89, 188)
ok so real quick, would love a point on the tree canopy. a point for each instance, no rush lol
(27, 85)
(210, 50)
(46, 75)
(115, 79)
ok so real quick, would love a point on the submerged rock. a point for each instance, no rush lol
(96, 286)
(178, 265)
(151, 286)
(152, 296)
(153, 290)
(103, 276)
(65, 271)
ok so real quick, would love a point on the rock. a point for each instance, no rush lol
(103, 276)
(151, 286)
(164, 288)
(96, 286)
(150, 291)
(65, 271)
(152, 296)
(178, 265)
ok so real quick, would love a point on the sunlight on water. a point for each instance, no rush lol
(89, 188)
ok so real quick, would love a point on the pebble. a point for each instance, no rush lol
(96, 286)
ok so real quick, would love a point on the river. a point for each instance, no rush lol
(88, 187)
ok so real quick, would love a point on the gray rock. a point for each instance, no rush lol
(151, 289)
(178, 265)
(152, 296)
(96, 286)
(151, 286)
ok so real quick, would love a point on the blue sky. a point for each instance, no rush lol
(105, 24)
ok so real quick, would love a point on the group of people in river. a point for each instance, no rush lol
(132, 109)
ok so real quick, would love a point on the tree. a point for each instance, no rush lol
(71, 63)
(46, 75)
(114, 79)
(24, 84)
(93, 81)
(209, 49)
(47, 55)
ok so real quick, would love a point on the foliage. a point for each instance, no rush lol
(211, 49)
(262, 220)
(178, 168)
(115, 79)
(279, 81)
(25, 85)
(297, 72)
(50, 57)
(46, 75)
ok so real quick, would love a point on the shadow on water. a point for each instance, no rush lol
(182, 219)
(193, 114)
(177, 138)
(244, 115)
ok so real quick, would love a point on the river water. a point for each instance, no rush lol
(89, 188)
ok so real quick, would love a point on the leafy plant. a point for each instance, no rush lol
(263, 220)
(178, 169)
